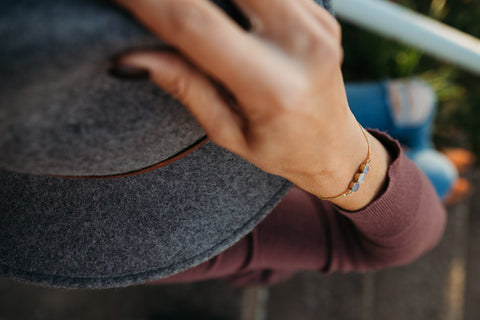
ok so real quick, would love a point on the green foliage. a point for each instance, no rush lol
(372, 57)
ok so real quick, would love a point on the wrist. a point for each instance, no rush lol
(374, 182)
(351, 151)
(359, 175)
(349, 148)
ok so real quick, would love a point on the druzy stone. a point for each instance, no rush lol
(355, 187)
(366, 169)
(361, 178)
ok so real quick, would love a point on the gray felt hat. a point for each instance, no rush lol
(85, 197)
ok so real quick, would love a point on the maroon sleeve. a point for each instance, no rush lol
(305, 233)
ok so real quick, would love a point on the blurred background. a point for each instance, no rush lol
(372, 57)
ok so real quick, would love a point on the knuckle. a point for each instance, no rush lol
(327, 52)
(331, 25)
(179, 87)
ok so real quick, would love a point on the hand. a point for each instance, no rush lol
(290, 115)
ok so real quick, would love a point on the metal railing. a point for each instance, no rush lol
(406, 26)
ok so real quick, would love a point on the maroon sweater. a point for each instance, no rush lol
(305, 233)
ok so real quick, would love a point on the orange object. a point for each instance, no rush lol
(462, 159)
(460, 191)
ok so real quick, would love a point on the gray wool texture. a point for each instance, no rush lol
(115, 232)
(62, 114)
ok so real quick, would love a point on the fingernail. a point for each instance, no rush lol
(126, 72)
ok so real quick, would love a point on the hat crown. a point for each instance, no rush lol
(61, 113)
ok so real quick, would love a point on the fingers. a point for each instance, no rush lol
(267, 73)
(217, 46)
(203, 34)
(324, 17)
(188, 85)
(288, 22)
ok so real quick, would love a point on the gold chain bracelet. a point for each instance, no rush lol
(360, 174)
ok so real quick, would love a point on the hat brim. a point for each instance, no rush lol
(84, 233)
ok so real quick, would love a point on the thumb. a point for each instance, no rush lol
(193, 89)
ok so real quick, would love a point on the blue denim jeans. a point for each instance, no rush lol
(370, 104)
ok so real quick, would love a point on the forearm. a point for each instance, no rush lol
(305, 233)
(404, 221)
